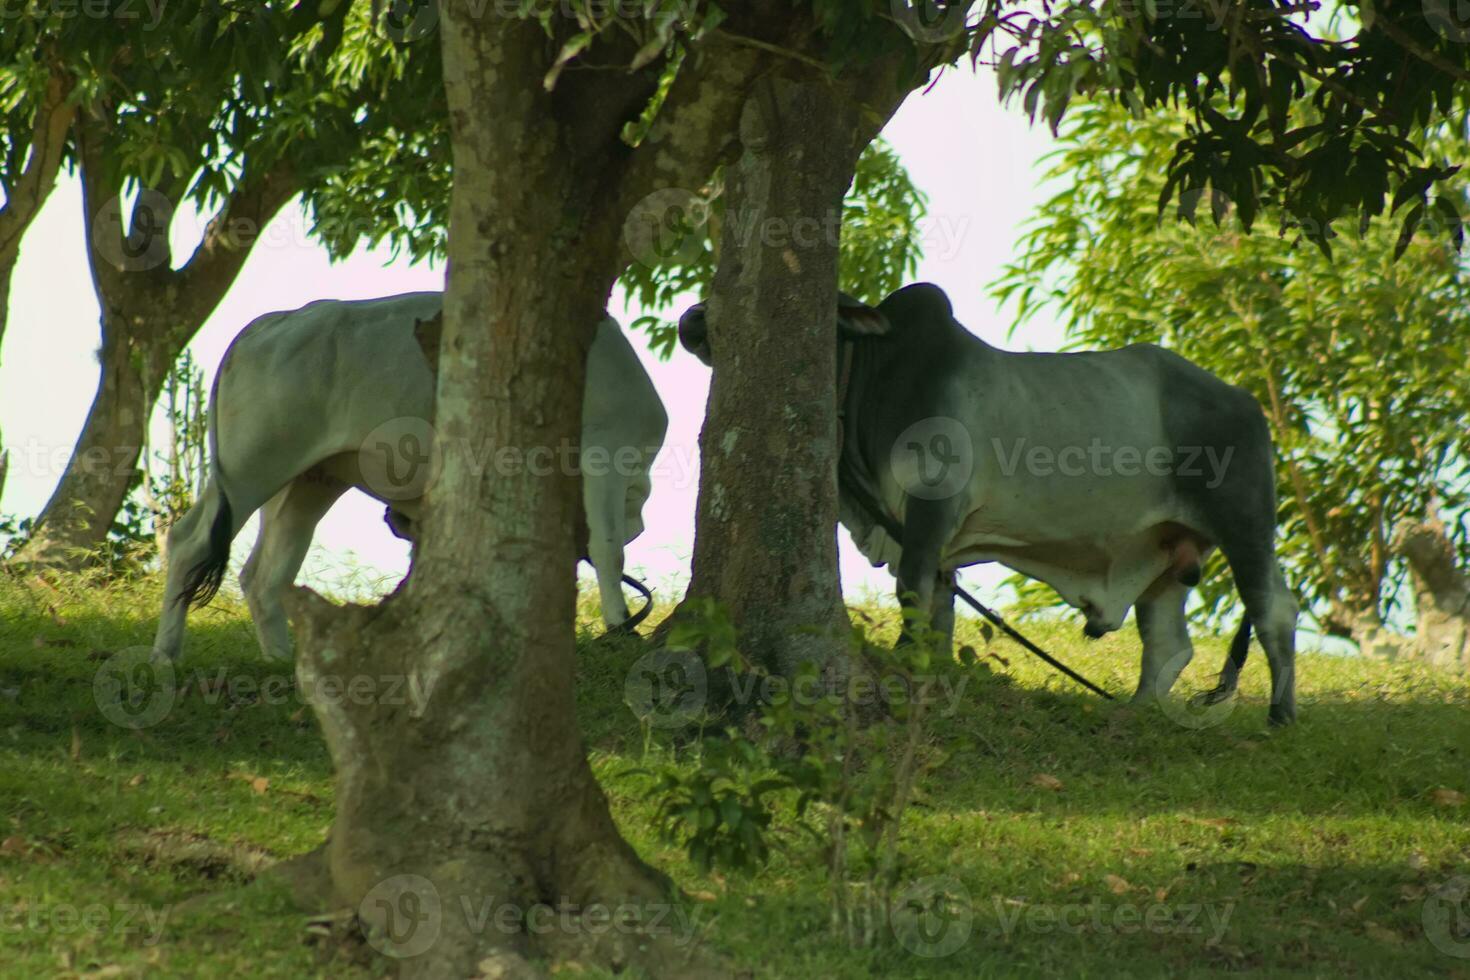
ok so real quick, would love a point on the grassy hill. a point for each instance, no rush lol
(1074, 836)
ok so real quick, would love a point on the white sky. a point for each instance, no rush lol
(977, 162)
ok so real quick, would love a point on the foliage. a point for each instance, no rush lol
(879, 246)
(1359, 360)
(848, 777)
(1282, 113)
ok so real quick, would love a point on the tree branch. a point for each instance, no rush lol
(48, 137)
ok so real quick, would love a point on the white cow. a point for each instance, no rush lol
(339, 394)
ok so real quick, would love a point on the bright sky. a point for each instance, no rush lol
(976, 161)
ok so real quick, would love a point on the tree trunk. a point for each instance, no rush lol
(1441, 594)
(765, 535)
(105, 463)
(150, 312)
(476, 795)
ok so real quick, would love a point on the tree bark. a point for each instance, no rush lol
(476, 793)
(765, 535)
(149, 313)
(1441, 594)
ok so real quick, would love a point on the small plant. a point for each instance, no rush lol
(848, 776)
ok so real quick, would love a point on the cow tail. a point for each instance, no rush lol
(202, 582)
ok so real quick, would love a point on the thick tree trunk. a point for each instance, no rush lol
(477, 795)
(765, 537)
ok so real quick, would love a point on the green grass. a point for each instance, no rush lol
(1304, 852)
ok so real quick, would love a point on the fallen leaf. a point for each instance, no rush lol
(137, 780)
(1447, 797)
(14, 844)
(1117, 885)
(260, 784)
(703, 896)
(1046, 781)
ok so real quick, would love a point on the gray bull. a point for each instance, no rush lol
(1108, 475)
(339, 394)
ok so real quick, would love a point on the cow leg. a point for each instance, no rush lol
(1164, 630)
(941, 612)
(188, 547)
(605, 501)
(1247, 532)
(925, 532)
(1272, 610)
(286, 525)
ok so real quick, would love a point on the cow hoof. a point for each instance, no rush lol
(1281, 715)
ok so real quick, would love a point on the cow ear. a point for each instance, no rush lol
(694, 332)
(857, 319)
